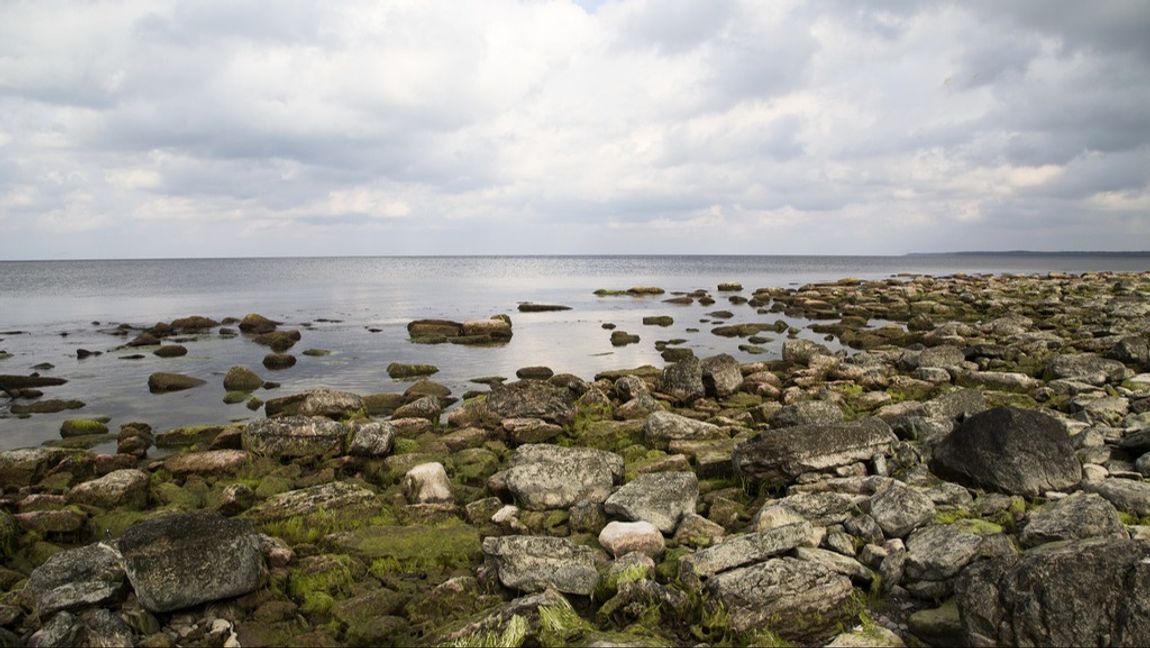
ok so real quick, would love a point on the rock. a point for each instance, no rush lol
(1013, 451)
(345, 497)
(956, 405)
(940, 551)
(683, 381)
(721, 375)
(127, 488)
(545, 477)
(799, 351)
(1087, 368)
(331, 404)
(807, 413)
(867, 636)
(424, 408)
(509, 624)
(662, 428)
(257, 324)
(82, 427)
(1079, 593)
(820, 509)
(193, 323)
(498, 329)
(623, 338)
(530, 430)
(143, 339)
(1007, 381)
(51, 521)
(836, 562)
(427, 484)
(12, 383)
(900, 509)
(532, 399)
(50, 406)
(63, 629)
(383, 404)
(26, 466)
(279, 341)
(695, 530)
(294, 436)
(624, 537)
(541, 308)
(739, 550)
(938, 627)
(1132, 349)
(660, 498)
(171, 351)
(276, 361)
(730, 286)
(1081, 515)
(372, 439)
(185, 559)
(75, 579)
(658, 320)
(639, 407)
(209, 462)
(778, 456)
(801, 601)
(1125, 494)
(242, 379)
(162, 382)
(533, 564)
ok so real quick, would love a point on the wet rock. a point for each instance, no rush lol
(1125, 494)
(659, 498)
(495, 328)
(82, 427)
(427, 484)
(278, 341)
(185, 559)
(75, 579)
(425, 408)
(242, 379)
(171, 351)
(800, 600)
(372, 439)
(50, 406)
(533, 564)
(127, 488)
(624, 537)
(143, 339)
(658, 320)
(193, 324)
(25, 466)
(1081, 515)
(623, 338)
(162, 382)
(257, 324)
(721, 375)
(294, 436)
(545, 477)
(11, 383)
(534, 373)
(778, 456)
(683, 381)
(541, 308)
(277, 361)
(1078, 593)
(532, 399)
(900, 509)
(1013, 451)
(663, 428)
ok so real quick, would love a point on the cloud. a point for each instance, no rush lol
(643, 126)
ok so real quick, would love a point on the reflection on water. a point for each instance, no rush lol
(56, 303)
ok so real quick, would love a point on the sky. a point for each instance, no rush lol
(197, 128)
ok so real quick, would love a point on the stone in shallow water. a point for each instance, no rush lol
(185, 559)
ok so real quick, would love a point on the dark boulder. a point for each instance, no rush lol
(533, 399)
(683, 381)
(1009, 450)
(162, 382)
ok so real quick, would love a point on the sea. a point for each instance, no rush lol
(358, 308)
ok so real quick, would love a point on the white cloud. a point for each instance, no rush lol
(855, 127)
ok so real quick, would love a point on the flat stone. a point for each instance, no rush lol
(775, 457)
(659, 498)
(621, 538)
(545, 477)
(1125, 494)
(77, 578)
(536, 563)
(736, 551)
(294, 436)
(345, 497)
(210, 462)
(662, 428)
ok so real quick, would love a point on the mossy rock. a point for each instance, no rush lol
(234, 397)
(475, 465)
(608, 435)
(174, 495)
(82, 427)
(401, 370)
(393, 550)
(658, 320)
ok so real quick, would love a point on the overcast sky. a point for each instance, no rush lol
(296, 127)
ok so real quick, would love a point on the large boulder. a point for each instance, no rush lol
(126, 487)
(76, 578)
(661, 428)
(1090, 592)
(294, 436)
(1009, 450)
(544, 476)
(1082, 515)
(185, 559)
(802, 601)
(533, 399)
(660, 498)
(721, 375)
(775, 457)
(683, 381)
(899, 509)
(534, 563)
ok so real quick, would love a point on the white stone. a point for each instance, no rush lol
(427, 484)
(624, 537)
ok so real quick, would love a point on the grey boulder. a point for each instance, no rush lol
(294, 436)
(661, 428)
(536, 563)
(544, 476)
(660, 498)
(900, 509)
(683, 381)
(1081, 515)
(76, 578)
(775, 457)
(532, 399)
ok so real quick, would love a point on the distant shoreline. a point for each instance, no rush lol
(1032, 253)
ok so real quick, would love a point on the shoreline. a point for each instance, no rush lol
(645, 506)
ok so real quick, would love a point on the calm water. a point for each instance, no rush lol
(54, 305)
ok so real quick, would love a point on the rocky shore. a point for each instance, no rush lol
(965, 465)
